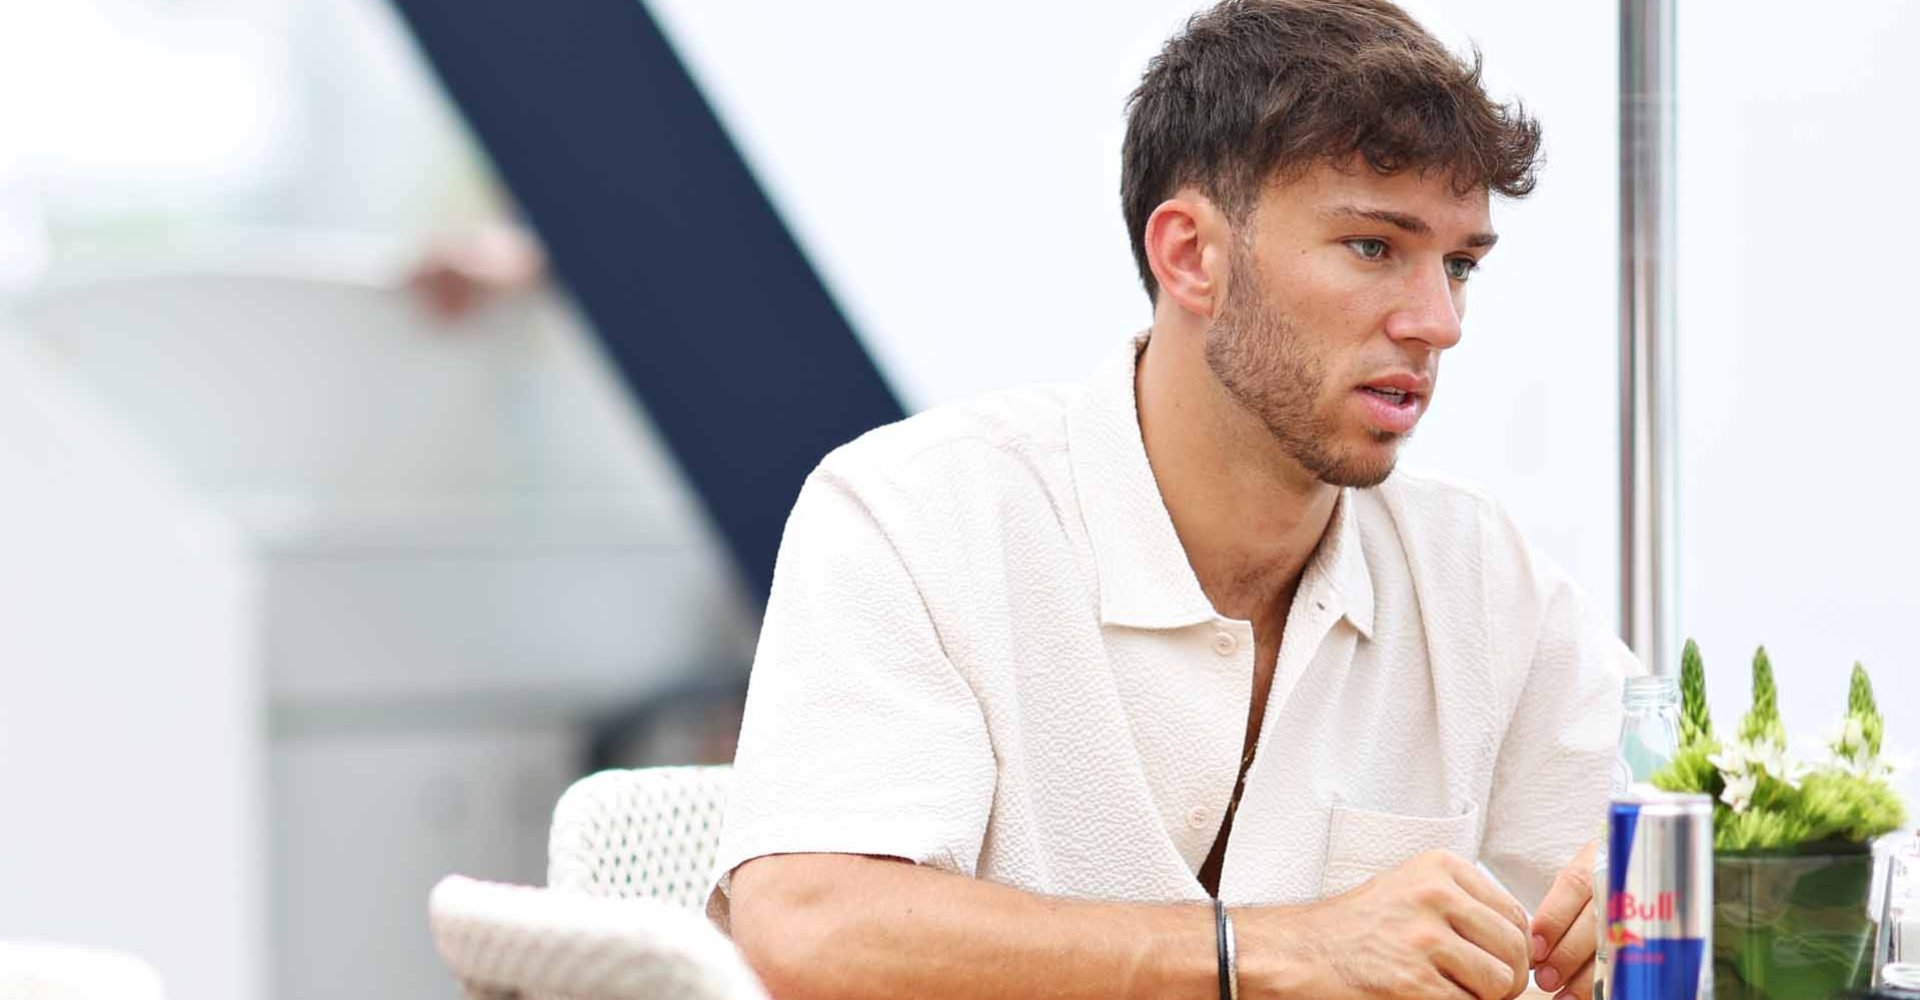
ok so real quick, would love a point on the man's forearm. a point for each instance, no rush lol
(852, 928)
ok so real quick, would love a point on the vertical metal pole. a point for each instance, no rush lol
(1647, 426)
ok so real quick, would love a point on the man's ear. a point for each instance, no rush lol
(1186, 244)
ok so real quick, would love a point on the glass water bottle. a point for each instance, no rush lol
(1649, 730)
(1649, 738)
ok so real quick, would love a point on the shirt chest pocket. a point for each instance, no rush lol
(1362, 843)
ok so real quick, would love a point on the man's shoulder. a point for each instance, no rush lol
(1422, 502)
(1454, 523)
(990, 434)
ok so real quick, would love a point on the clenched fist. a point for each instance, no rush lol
(1434, 927)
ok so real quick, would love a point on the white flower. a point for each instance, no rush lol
(1869, 766)
(1850, 744)
(1739, 791)
(1777, 765)
(1733, 759)
(1742, 765)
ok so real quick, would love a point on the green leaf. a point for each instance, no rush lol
(1762, 724)
(1696, 723)
(1838, 805)
(1691, 771)
(1861, 705)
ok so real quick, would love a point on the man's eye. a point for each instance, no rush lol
(1461, 268)
(1369, 249)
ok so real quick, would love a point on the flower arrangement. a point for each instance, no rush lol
(1766, 798)
(1792, 840)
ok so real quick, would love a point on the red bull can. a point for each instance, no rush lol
(1658, 943)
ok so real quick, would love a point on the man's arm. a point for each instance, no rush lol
(863, 738)
(1548, 802)
(852, 928)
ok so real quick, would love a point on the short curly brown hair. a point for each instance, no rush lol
(1251, 90)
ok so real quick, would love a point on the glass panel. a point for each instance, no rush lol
(1795, 335)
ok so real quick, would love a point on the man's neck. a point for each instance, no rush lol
(1248, 515)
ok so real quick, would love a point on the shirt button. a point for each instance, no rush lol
(1197, 817)
(1224, 643)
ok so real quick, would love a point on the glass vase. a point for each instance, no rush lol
(1792, 926)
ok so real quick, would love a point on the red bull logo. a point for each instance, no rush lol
(1624, 906)
(1619, 937)
(1659, 903)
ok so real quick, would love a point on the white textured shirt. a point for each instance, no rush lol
(986, 652)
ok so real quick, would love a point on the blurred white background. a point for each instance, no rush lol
(952, 171)
(1796, 328)
(141, 123)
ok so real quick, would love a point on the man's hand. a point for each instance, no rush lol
(1434, 927)
(1564, 932)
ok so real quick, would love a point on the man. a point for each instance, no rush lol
(1043, 672)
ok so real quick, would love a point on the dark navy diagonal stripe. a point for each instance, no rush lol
(706, 304)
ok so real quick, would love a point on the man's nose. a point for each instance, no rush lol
(1431, 311)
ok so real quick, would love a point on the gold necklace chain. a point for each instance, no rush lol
(1240, 781)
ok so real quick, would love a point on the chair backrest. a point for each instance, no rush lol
(648, 833)
(31, 970)
(509, 942)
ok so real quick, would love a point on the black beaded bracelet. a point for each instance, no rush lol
(1220, 940)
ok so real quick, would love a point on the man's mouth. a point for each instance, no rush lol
(1393, 404)
(1394, 396)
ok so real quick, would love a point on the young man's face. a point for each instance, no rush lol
(1344, 290)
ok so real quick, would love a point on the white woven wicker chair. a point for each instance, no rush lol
(628, 862)
(515, 941)
(650, 833)
(32, 970)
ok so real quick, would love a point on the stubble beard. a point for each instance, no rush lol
(1256, 352)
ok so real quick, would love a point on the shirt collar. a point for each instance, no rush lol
(1342, 564)
(1144, 576)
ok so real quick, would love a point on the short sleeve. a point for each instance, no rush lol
(860, 736)
(1551, 780)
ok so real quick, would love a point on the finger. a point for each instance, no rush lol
(1488, 892)
(1566, 900)
(1477, 972)
(1486, 929)
(1447, 987)
(1582, 986)
(1575, 950)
